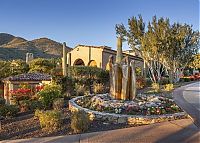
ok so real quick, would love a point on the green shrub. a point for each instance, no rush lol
(34, 104)
(50, 120)
(87, 75)
(168, 87)
(41, 65)
(98, 88)
(2, 101)
(29, 105)
(48, 94)
(155, 87)
(24, 105)
(140, 82)
(67, 96)
(1, 91)
(8, 110)
(38, 113)
(148, 82)
(138, 71)
(58, 103)
(79, 76)
(80, 89)
(67, 83)
(181, 80)
(15, 100)
(187, 79)
(80, 121)
(102, 76)
(164, 80)
(186, 72)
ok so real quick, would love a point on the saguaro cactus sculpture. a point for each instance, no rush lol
(133, 80)
(119, 51)
(64, 60)
(122, 76)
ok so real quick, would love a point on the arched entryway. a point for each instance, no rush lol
(92, 63)
(79, 62)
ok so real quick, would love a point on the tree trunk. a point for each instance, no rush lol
(144, 70)
(171, 76)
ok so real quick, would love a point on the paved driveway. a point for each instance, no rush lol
(188, 97)
(192, 95)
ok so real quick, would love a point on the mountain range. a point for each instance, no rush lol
(12, 47)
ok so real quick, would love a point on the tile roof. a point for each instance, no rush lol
(102, 47)
(29, 77)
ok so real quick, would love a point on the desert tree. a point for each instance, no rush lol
(182, 45)
(195, 63)
(164, 47)
(149, 42)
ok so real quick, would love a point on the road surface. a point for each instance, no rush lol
(188, 98)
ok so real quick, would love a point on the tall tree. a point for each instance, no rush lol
(164, 47)
(153, 45)
(195, 63)
(183, 44)
(5, 69)
(42, 65)
(18, 67)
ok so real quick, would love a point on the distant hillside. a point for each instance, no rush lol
(5, 38)
(12, 47)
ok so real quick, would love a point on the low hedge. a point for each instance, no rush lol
(8, 110)
(80, 121)
(2, 101)
(48, 94)
(82, 75)
(50, 120)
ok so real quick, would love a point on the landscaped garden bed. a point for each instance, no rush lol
(142, 105)
(144, 110)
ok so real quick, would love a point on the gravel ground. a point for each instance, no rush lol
(26, 126)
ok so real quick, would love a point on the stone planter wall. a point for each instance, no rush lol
(129, 119)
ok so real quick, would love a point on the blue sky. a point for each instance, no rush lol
(90, 22)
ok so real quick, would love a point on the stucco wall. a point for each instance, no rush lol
(96, 55)
(87, 54)
(105, 58)
(99, 55)
(107, 53)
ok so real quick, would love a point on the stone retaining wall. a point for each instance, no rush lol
(129, 119)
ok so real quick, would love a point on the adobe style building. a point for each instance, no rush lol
(98, 56)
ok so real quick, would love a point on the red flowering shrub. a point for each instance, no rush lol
(197, 76)
(39, 88)
(190, 78)
(140, 82)
(20, 94)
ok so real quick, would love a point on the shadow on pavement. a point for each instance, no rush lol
(154, 133)
(185, 135)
